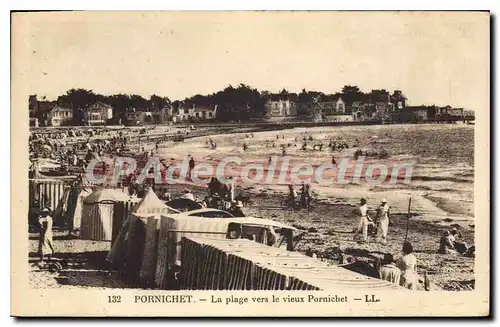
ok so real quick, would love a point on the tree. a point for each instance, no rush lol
(176, 103)
(138, 102)
(307, 101)
(234, 103)
(157, 102)
(119, 102)
(305, 97)
(77, 98)
(351, 94)
(379, 96)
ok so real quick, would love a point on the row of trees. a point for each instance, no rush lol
(82, 98)
(234, 103)
(243, 102)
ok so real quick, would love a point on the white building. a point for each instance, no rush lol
(98, 114)
(193, 113)
(59, 116)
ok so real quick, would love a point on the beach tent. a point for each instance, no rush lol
(151, 206)
(97, 214)
(60, 211)
(50, 192)
(146, 220)
(75, 208)
(136, 245)
(35, 170)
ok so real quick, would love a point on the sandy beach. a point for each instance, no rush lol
(441, 191)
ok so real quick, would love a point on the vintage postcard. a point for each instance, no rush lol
(286, 164)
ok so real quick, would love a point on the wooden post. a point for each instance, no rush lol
(408, 220)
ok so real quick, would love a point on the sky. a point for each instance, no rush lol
(434, 58)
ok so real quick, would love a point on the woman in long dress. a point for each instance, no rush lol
(408, 265)
(45, 245)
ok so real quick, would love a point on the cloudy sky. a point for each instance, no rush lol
(440, 58)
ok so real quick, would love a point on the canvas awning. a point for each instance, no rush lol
(151, 205)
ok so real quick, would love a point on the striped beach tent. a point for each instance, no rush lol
(97, 214)
(149, 211)
(49, 193)
(151, 206)
(77, 214)
(136, 246)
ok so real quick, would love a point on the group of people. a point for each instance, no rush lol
(381, 154)
(221, 196)
(215, 200)
(211, 143)
(452, 242)
(403, 271)
(338, 145)
(296, 201)
(378, 225)
(65, 146)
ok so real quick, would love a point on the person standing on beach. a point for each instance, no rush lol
(305, 196)
(292, 197)
(45, 242)
(74, 158)
(383, 215)
(191, 167)
(363, 221)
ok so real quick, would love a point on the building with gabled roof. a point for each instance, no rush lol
(184, 112)
(98, 113)
(59, 116)
(280, 104)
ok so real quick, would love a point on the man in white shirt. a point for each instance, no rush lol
(363, 221)
(383, 221)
